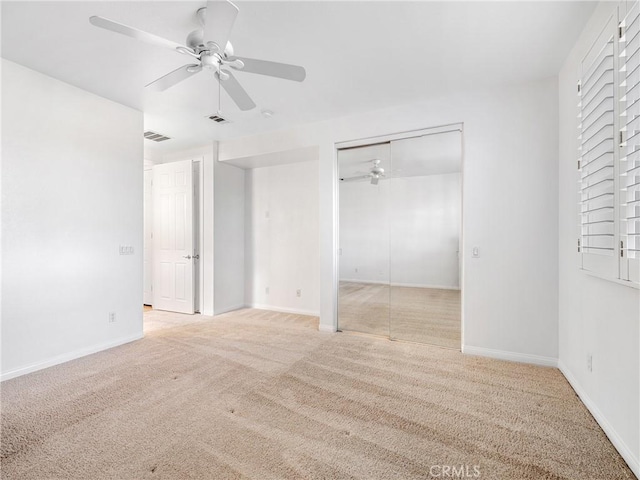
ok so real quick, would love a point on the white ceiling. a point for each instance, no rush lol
(359, 56)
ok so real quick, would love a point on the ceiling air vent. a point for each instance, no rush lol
(156, 137)
(217, 118)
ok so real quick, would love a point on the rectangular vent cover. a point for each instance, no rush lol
(156, 137)
(217, 118)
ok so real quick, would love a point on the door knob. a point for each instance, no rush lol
(188, 257)
(196, 257)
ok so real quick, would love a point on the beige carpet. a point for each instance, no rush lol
(159, 319)
(424, 315)
(255, 394)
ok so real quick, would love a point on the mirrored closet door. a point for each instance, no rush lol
(400, 222)
(364, 295)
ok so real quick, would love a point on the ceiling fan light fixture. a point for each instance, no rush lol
(210, 62)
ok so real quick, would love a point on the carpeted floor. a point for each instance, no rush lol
(423, 315)
(263, 395)
(159, 319)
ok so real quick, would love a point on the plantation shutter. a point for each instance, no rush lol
(629, 166)
(596, 157)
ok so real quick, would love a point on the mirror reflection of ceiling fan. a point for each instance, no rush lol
(375, 174)
(210, 49)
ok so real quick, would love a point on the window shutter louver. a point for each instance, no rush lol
(596, 156)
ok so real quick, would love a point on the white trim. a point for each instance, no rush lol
(619, 281)
(622, 448)
(200, 220)
(262, 306)
(451, 127)
(510, 356)
(66, 357)
(410, 285)
(231, 309)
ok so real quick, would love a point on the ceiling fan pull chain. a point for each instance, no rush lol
(219, 98)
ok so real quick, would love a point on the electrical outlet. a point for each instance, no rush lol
(589, 362)
(112, 317)
(298, 293)
(266, 290)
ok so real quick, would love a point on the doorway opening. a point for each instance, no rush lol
(172, 243)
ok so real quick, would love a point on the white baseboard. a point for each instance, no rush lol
(297, 311)
(625, 452)
(510, 356)
(229, 309)
(68, 357)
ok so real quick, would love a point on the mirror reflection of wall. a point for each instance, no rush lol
(363, 303)
(400, 239)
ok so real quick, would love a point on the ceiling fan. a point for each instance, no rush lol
(211, 50)
(375, 174)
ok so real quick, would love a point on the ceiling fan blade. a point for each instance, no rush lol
(355, 179)
(272, 69)
(220, 17)
(139, 34)
(170, 79)
(236, 92)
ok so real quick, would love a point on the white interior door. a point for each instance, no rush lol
(173, 237)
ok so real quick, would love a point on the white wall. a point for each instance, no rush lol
(404, 230)
(596, 316)
(229, 219)
(72, 191)
(282, 225)
(510, 208)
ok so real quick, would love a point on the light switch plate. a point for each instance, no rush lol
(126, 250)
